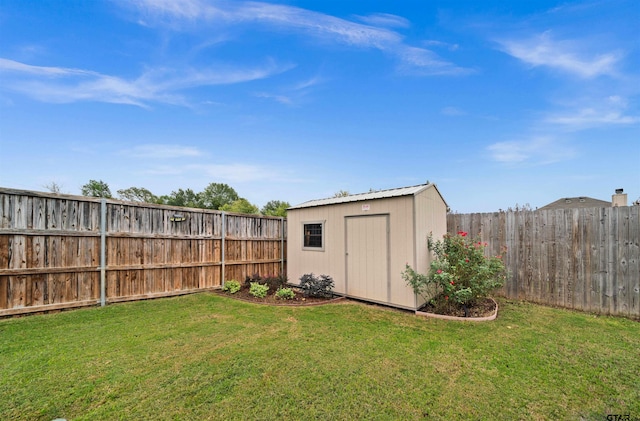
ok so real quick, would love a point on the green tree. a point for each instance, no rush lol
(138, 194)
(96, 189)
(216, 195)
(341, 193)
(275, 208)
(241, 206)
(187, 198)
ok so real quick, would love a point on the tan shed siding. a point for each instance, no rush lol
(400, 211)
(308, 261)
(367, 260)
(332, 260)
(401, 247)
(431, 218)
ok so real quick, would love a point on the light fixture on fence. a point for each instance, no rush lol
(178, 217)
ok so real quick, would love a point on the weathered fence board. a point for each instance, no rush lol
(50, 250)
(634, 263)
(585, 259)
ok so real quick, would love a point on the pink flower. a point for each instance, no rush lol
(439, 271)
(446, 297)
(462, 233)
(452, 283)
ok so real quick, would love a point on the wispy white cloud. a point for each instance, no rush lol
(30, 51)
(425, 62)
(570, 56)
(282, 99)
(64, 85)
(589, 117)
(441, 44)
(104, 89)
(313, 23)
(374, 34)
(305, 84)
(540, 150)
(186, 9)
(452, 111)
(161, 151)
(193, 13)
(292, 95)
(610, 111)
(7, 65)
(385, 20)
(162, 170)
(236, 173)
(227, 173)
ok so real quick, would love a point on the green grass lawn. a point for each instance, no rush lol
(204, 356)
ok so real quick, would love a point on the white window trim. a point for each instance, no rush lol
(324, 233)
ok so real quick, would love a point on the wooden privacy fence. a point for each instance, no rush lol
(586, 259)
(59, 251)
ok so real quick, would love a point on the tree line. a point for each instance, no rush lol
(217, 196)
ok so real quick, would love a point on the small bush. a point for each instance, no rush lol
(253, 278)
(313, 286)
(276, 282)
(258, 290)
(285, 294)
(231, 287)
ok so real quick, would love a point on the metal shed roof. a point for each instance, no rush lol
(380, 194)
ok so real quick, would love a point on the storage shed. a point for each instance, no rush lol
(363, 241)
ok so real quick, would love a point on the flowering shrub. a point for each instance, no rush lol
(460, 272)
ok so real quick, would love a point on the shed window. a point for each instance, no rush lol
(313, 236)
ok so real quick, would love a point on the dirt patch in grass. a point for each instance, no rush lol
(271, 299)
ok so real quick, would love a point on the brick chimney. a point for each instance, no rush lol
(619, 199)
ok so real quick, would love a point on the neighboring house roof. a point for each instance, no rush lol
(380, 194)
(577, 202)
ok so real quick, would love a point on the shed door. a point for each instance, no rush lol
(367, 259)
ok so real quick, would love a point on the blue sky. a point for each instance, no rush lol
(499, 103)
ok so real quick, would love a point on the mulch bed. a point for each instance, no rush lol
(271, 299)
(482, 308)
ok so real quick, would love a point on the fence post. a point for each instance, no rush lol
(282, 246)
(224, 231)
(103, 251)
